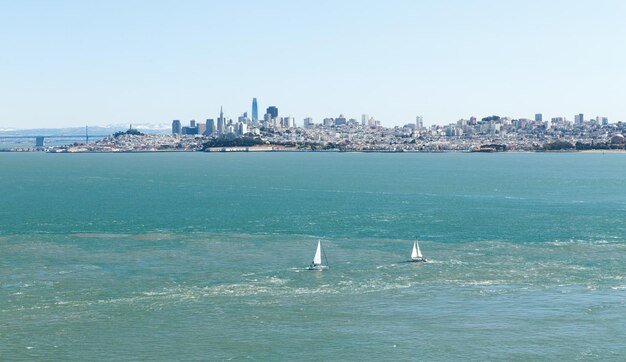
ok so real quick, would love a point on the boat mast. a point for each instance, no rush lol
(325, 258)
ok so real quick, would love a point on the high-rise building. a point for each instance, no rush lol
(210, 126)
(364, 119)
(579, 118)
(308, 122)
(176, 127)
(419, 122)
(538, 117)
(287, 122)
(221, 122)
(340, 120)
(602, 120)
(548, 124)
(243, 118)
(255, 111)
(272, 111)
(190, 130)
(201, 128)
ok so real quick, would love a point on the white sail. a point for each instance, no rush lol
(419, 252)
(317, 260)
(414, 252)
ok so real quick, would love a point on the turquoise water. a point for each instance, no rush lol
(193, 256)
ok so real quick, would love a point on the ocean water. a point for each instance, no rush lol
(195, 256)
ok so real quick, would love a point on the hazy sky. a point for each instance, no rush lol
(71, 63)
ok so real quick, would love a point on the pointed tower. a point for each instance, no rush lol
(255, 111)
(221, 124)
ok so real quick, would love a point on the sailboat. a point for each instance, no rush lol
(416, 254)
(317, 259)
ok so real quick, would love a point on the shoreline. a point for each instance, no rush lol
(239, 150)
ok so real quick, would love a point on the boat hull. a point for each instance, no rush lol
(418, 260)
(317, 267)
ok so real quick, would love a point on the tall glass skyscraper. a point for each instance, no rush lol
(255, 111)
(272, 111)
(176, 127)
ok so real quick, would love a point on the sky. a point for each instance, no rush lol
(76, 63)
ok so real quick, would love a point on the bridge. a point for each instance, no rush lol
(40, 140)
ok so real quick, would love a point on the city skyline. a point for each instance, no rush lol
(69, 63)
(226, 116)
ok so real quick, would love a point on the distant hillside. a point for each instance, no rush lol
(94, 130)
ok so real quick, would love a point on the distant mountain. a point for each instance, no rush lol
(93, 130)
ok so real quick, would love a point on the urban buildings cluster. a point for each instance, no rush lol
(272, 132)
(224, 126)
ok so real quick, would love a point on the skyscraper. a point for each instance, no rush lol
(210, 126)
(221, 122)
(176, 127)
(579, 118)
(255, 111)
(308, 122)
(364, 119)
(191, 129)
(419, 122)
(287, 122)
(538, 117)
(340, 120)
(272, 111)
